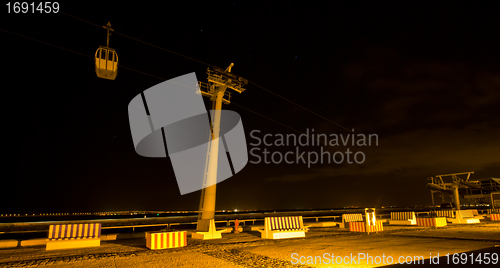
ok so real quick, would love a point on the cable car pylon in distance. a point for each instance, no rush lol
(106, 59)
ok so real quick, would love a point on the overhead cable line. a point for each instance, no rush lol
(138, 40)
(137, 71)
(272, 120)
(320, 116)
(210, 65)
(81, 54)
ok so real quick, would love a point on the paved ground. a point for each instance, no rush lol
(248, 250)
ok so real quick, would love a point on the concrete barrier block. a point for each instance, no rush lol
(162, 240)
(9, 243)
(73, 243)
(34, 242)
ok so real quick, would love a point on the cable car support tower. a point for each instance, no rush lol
(219, 81)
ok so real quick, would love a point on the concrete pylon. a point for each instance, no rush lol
(206, 226)
(219, 81)
(211, 232)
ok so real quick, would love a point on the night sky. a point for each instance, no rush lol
(424, 77)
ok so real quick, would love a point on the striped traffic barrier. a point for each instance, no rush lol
(64, 236)
(359, 226)
(403, 218)
(404, 215)
(445, 213)
(161, 240)
(493, 211)
(347, 218)
(283, 227)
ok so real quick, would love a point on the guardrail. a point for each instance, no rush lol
(228, 222)
(243, 222)
(321, 217)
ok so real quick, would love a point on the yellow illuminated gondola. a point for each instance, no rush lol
(106, 63)
(106, 59)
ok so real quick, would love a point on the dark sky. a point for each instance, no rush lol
(424, 77)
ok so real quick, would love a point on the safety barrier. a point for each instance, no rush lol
(347, 218)
(434, 222)
(445, 213)
(463, 216)
(359, 226)
(283, 227)
(403, 218)
(493, 211)
(74, 236)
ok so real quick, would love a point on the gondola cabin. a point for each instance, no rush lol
(106, 63)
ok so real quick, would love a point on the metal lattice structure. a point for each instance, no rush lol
(461, 186)
(218, 79)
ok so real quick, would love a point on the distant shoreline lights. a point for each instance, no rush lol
(311, 139)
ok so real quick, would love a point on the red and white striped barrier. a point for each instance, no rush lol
(476, 214)
(352, 217)
(435, 222)
(495, 217)
(161, 240)
(446, 213)
(346, 218)
(290, 223)
(359, 226)
(74, 231)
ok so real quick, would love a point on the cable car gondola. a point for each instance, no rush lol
(106, 59)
